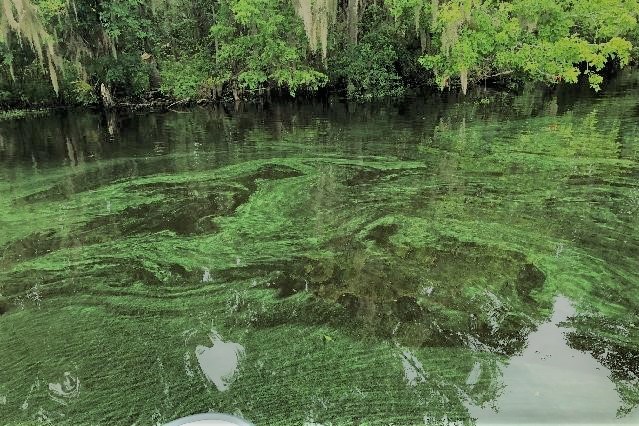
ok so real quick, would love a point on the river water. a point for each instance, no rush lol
(427, 261)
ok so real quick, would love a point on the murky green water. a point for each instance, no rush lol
(425, 262)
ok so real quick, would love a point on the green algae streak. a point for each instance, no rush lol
(391, 264)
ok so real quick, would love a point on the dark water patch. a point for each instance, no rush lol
(406, 308)
(184, 208)
(268, 172)
(365, 176)
(624, 181)
(32, 246)
(350, 302)
(299, 275)
(183, 211)
(288, 283)
(126, 272)
(387, 288)
(86, 180)
(382, 232)
(529, 279)
(102, 174)
(4, 306)
(183, 218)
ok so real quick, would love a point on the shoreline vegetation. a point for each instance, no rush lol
(17, 114)
(169, 53)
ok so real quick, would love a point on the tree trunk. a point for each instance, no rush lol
(107, 99)
(424, 40)
(352, 19)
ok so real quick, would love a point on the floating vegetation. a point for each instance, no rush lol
(367, 266)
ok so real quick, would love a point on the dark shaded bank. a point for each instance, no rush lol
(493, 92)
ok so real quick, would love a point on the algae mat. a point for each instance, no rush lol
(425, 262)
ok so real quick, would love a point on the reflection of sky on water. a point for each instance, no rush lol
(220, 361)
(550, 382)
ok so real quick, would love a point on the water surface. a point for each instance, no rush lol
(429, 261)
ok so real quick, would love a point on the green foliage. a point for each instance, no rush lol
(126, 74)
(125, 19)
(546, 40)
(557, 61)
(83, 92)
(261, 44)
(16, 114)
(370, 69)
(598, 20)
(186, 78)
(190, 48)
(295, 80)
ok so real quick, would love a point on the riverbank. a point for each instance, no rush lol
(155, 101)
(16, 114)
(491, 93)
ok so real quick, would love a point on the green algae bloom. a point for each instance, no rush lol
(427, 262)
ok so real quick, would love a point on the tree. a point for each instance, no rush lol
(260, 46)
(539, 40)
(67, 51)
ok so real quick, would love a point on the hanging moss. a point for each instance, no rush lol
(317, 15)
(20, 17)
